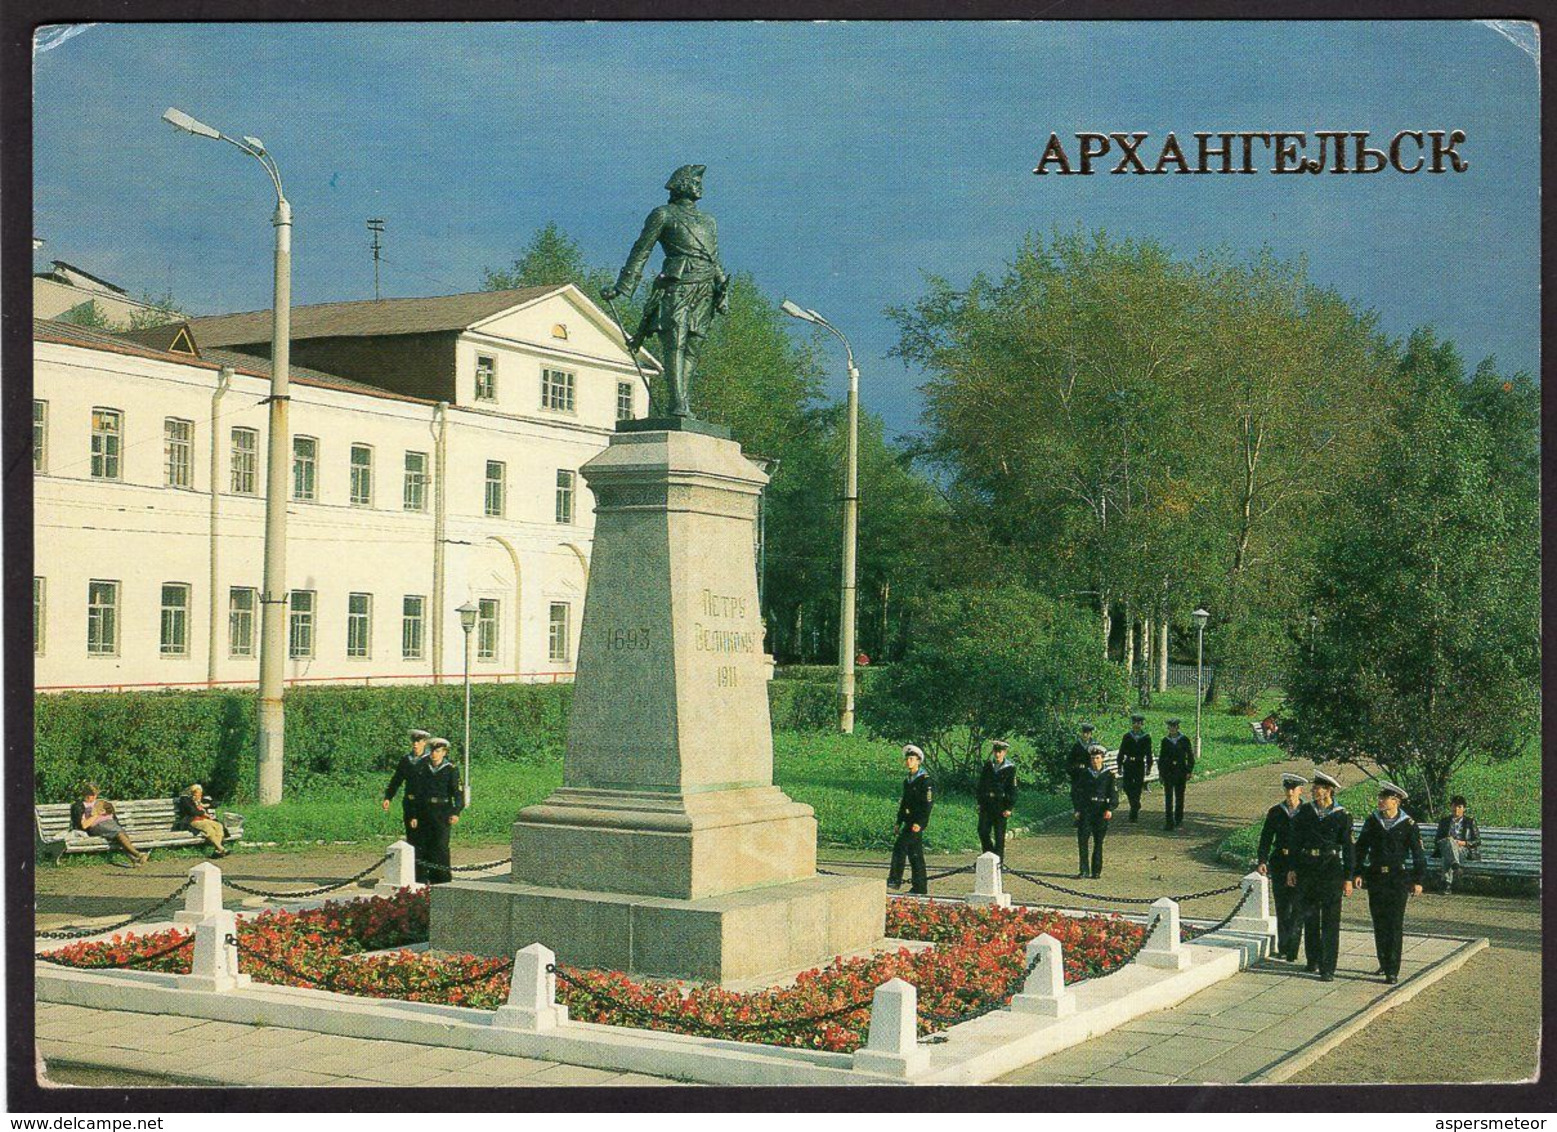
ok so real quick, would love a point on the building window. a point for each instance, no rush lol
(359, 625)
(39, 586)
(557, 390)
(411, 627)
(497, 488)
(300, 625)
(624, 401)
(102, 618)
(40, 435)
(305, 468)
(240, 621)
(416, 479)
(175, 619)
(565, 481)
(107, 441)
(361, 475)
(486, 378)
(245, 460)
(486, 628)
(178, 442)
(557, 635)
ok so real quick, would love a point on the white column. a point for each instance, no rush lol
(204, 897)
(1163, 946)
(892, 1047)
(399, 871)
(987, 888)
(1044, 991)
(532, 995)
(214, 965)
(1254, 915)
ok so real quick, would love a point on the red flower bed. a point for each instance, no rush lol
(977, 962)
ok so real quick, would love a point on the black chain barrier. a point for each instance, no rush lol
(879, 865)
(143, 914)
(434, 866)
(697, 1026)
(1034, 878)
(318, 891)
(1225, 920)
(329, 982)
(126, 965)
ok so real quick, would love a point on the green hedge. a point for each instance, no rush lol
(146, 744)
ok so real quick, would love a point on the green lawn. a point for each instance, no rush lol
(853, 782)
(1506, 794)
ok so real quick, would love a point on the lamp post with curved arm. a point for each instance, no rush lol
(851, 519)
(271, 744)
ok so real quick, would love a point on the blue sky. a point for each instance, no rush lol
(844, 160)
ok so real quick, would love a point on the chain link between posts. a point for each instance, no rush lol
(329, 982)
(307, 892)
(144, 914)
(125, 965)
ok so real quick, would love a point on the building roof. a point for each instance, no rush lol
(61, 268)
(174, 337)
(367, 317)
(91, 337)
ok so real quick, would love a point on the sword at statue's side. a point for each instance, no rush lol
(632, 352)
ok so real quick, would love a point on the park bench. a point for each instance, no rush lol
(149, 822)
(1259, 732)
(1512, 853)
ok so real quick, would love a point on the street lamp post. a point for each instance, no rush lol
(271, 742)
(468, 613)
(851, 519)
(1201, 617)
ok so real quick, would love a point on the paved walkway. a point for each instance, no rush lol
(194, 1051)
(1262, 1025)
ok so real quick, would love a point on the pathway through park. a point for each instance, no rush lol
(1495, 996)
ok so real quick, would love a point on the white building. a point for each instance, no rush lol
(435, 458)
(65, 288)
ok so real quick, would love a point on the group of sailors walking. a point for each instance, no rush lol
(1305, 847)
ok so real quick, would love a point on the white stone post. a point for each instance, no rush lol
(204, 897)
(399, 871)
(1044, 991)
(1164, 947)
(1254, 913)
(892, 1047)
(987, 888)
(532, 995)
(214, 965)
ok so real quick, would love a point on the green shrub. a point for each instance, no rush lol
(803, 705)
(145, 744)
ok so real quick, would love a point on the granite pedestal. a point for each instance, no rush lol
(668, 850)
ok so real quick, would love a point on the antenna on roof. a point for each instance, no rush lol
(377, 228)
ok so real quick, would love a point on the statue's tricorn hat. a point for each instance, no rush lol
(682, 178)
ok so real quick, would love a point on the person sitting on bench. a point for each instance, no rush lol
(195, 815)
(95, 815)
(1459, 840)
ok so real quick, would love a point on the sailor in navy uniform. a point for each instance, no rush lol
(996, 794)
(1094, 796)
(1389, 835)
(1135, 762)
(1175, 763)
(439, 800)
(1080, 751)
(1274, 857)
(913, 815)
(403, 776)
(1322, 872)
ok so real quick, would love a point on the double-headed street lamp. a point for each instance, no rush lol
(468, 614)
(273, 625)
(1201, 617)
(851, 519)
